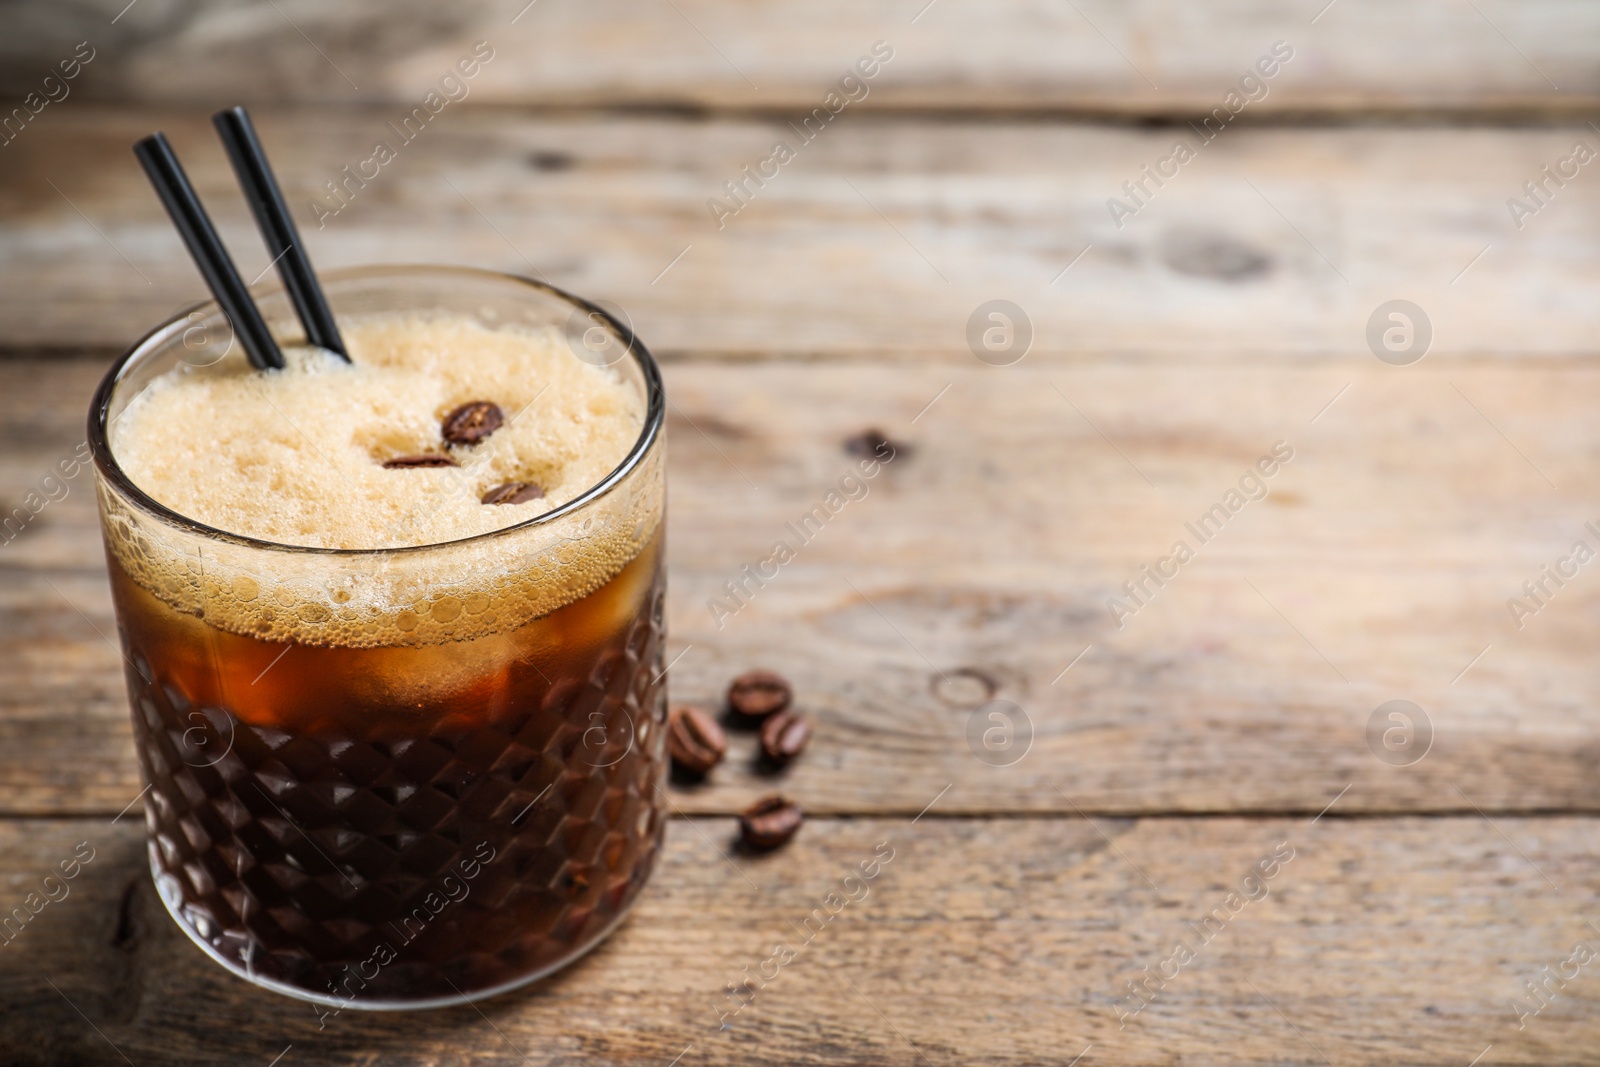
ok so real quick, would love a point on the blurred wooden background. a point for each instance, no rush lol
(1168, 353)
(1156, 58)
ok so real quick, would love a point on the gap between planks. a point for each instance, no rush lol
(1001, 814)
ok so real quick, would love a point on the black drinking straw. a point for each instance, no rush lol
(277, 228)
(172, 185)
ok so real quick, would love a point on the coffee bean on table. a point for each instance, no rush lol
(784, 736)
(694, 740)
(513, 493)
(757, 694)
(408, 462)
(872, 444)
(770, 822)
(472, 422)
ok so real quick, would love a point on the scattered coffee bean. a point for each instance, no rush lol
(771, 822)
(784, 736)
(408, 462)
(513, 493)
(872, 444)
(757, 694)
(694, 740)
(545, 159)
(472, 422)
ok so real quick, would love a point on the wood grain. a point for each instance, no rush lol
(979, 565)
(998, 941)
(880, 240)
(1091, 57)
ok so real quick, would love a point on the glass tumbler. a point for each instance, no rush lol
(407, 777)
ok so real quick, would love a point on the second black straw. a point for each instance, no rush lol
(277, 228)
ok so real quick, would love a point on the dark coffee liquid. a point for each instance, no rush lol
(313, 830)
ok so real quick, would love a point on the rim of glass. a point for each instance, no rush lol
(106, 463)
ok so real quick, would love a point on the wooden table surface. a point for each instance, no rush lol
(1164, 755)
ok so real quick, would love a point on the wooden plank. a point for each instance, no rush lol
(879, 240)
(1094, 56)
(1001, 941)
(979, 565)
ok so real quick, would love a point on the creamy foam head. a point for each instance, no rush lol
(296, 457)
